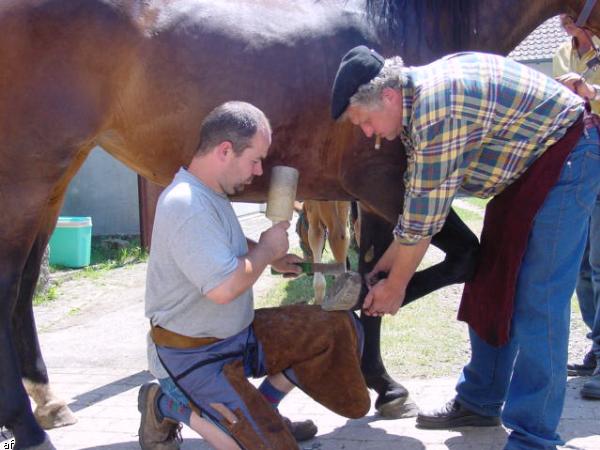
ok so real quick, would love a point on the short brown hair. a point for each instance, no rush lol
(236, 122)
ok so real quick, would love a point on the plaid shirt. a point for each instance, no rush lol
(474, 122)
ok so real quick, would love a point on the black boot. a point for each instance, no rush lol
(454, 415)
(585, 369)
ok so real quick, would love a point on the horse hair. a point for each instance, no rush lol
(397, 16)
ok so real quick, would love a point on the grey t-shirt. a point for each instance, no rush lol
(196, 240)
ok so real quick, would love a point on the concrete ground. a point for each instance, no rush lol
(94, 347)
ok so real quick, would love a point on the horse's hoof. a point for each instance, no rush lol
(393, 401)
(344, 295)
(398, 408)
(46, 445)
(54, 415)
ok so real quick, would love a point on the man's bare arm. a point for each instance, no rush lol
(272, 245)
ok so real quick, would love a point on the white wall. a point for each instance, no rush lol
(107, 191)
(242, 209)
(543, 66)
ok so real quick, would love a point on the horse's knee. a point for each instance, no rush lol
(461, 247)
(462, 264)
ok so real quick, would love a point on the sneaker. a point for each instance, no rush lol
(454, 415)
(585, 369)
(302, 431)
(591, 388)
(156, 434)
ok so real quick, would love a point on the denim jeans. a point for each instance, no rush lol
(528, 374)
(588, 284)
(169, 388)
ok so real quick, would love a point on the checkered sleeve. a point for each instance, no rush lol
(442, 153)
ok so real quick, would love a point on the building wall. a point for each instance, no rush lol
(544, 66)
(105, 190)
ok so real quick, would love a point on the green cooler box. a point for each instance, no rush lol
(71, 242)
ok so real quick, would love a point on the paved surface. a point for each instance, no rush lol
(95, 353)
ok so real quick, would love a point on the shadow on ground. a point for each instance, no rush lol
(368, 430)
(109, 390)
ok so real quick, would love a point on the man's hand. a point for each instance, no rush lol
(383, 298)
(274, 241)
(287, 265)
(575, 83)
(384, 264)
(386, 296)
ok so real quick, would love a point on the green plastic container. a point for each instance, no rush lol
(71, 242)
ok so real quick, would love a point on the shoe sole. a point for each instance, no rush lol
(309, 432)
(593, 394)
(143, 395)
(580, 373)
(460, 423)
(142, 399)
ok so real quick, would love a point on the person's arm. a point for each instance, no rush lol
(387, 296)
(436, 176)
(288, 265)
(588, 90)
(579, 86)
(272, 245)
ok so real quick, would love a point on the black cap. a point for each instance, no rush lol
(359, 66)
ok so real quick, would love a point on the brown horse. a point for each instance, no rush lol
(320, 221)
(138, 76)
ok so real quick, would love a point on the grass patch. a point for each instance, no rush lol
(46, 297)
(476, 201)
(471, 218)
(74, 311)
(300, 289)
(107, 257)
(424, 339)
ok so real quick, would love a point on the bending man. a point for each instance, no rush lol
(492, 128)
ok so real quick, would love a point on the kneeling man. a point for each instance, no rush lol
(206, 338)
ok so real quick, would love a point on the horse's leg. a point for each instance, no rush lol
(15, 412)
(316, 241)
(34, 203)
(375, 237)
(51, 411)
(355, 224)
(15, 244)
(336, 222)
(461, 247)
(337, 230)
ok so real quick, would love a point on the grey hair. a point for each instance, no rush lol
(236, 122)
(391, 76)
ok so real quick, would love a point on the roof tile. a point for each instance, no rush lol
(542, 43)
